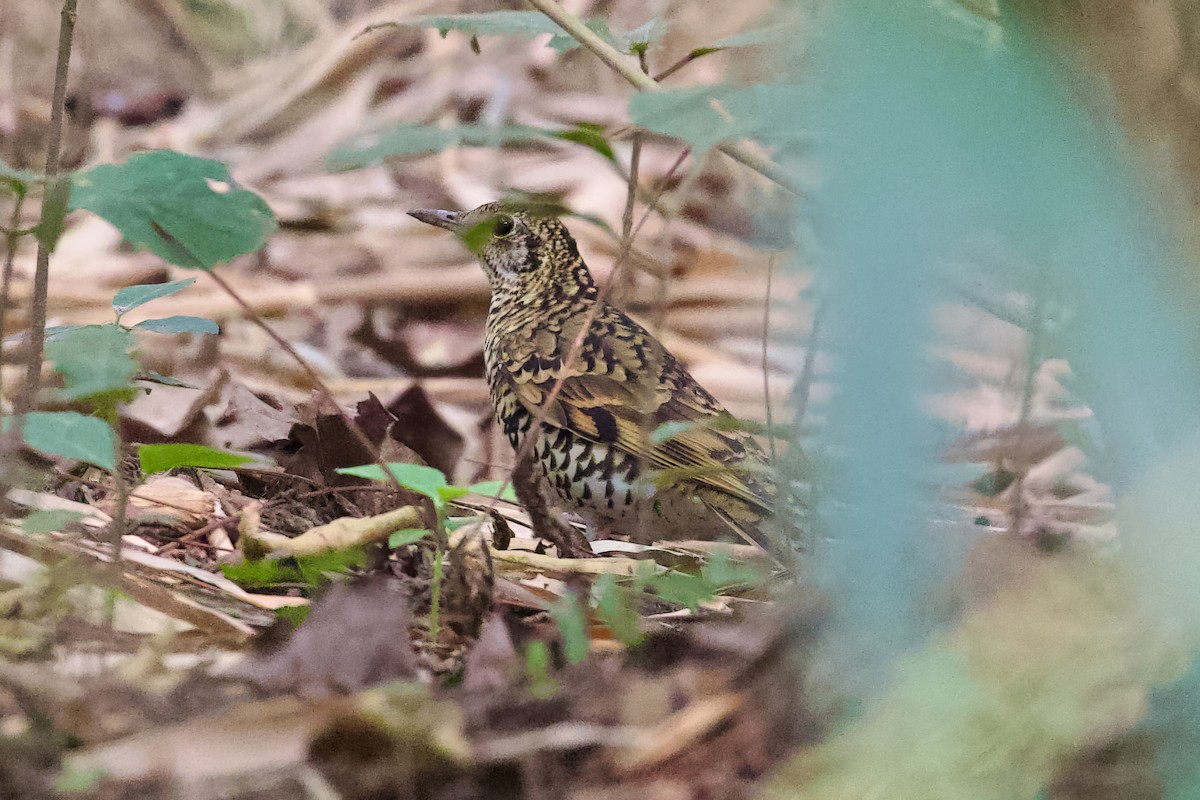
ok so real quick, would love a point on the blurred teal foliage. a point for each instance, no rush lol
(932, 133)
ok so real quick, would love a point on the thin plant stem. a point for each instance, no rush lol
(804, 382)
(766, 364)
(41, 275)
(11, 239)
(320, 385)
(581, 33)
(1033, 361)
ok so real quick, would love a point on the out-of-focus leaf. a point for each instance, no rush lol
(502, 489)
(18, 179)
(71, 435)
(178, 324)
(614, 608)
(706, 116)
(184, 209)
(131, 297)
(489, 23)
(48, 520)
(163, 380)
(635, 41)
(572, 625)
(317, 568)
(589, 135)
(679, 587)
(425, 480)
(406, 536)
(162, 457)
(93, 359)
(54, 213)
(372, 148)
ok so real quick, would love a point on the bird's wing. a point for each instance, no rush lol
(619, 413)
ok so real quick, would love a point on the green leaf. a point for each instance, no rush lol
(71, 435)
(708, 115)
(589, 135)
(262, 572)
(53, 219)
(722, 571)
(406, 536)
(408, 139)
(131, 297)
(162, 457)
(43, 521)
(750, 38)
(92, 359)
(681, 588)
(184, 209)
(317, 568)
(417, 477)
(178, 324)
(489, 23)
(572, 625)
(614, 608)
(494, 489)
(55, 331)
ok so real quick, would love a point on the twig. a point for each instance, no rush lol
(321, 387)
(804, 382)
(41, 275)
(766, 366)
(1037, 324)
(11, 239)
(643, 82)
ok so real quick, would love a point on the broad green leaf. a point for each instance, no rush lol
(71, 435)
(54, 213)
(631, 43)
(752, 38)
(426, 480)
(55, 331)
(407, 139)
(131, 297)
(42, 521)
(406, 536)
(162, 457)
(92, 359)
(572, 625)
(706, 116)
(184, 209)
(178, 324)
(503, 489)
(722, 571)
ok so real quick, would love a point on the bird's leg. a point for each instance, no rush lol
(571, 543)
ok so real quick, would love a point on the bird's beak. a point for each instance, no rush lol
(450, 220)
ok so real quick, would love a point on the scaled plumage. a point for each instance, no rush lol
(596, 446)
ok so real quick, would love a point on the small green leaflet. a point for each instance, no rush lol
(178, 324)
(162, 457)
(184, 209)
(131, 297)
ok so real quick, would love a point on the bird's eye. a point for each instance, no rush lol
(505, 225)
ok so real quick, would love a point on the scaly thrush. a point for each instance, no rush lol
(600, 445)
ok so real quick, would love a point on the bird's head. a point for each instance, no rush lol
(521, 250)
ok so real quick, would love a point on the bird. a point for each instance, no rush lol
(627, 438)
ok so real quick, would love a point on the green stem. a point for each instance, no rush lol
(435, 600)
(41, 275)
